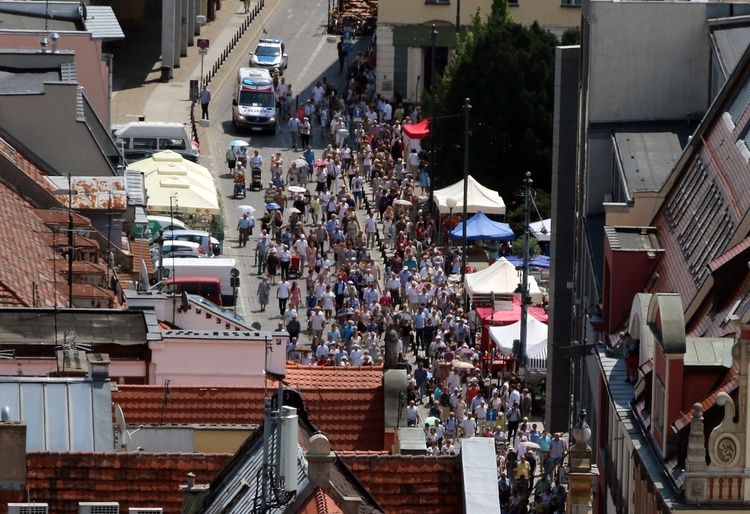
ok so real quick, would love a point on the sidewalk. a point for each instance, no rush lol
(139, 91)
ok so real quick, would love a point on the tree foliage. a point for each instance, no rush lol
(507, 72)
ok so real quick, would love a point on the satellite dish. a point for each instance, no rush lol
(184, 303)
(256, 326)
(84, 11)
(125, 439)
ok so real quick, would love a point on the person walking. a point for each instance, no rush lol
(283, 288)
(264, 293)
(246, 3)
(294, 126)
(205, 98)
(231, 160)
(244, 226)
(341, 48)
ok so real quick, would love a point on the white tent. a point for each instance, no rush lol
(541, 230)
(500, 278)
(479, 198)
(536, 336)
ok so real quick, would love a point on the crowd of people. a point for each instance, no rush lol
(342, 283)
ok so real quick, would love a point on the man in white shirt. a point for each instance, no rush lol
(356, 356)
(282, 293)
(317, 322)
(318, 93)
(412, 414)
(469, 426)
(371, 229)
(300, 246)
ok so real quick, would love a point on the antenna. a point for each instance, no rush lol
(125, 439)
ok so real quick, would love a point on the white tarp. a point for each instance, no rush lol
(541, 230)
(500, 278)
(536, 336)
(479, 198)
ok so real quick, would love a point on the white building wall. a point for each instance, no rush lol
(386, 54)
(415, 73)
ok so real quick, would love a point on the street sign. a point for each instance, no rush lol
(202, 44)
(357, 114)
(347, 37)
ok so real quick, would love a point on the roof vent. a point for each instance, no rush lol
(5, 414)
(44, 42)
(54, 37)
(98, 508)
(145, 510)
(28, 508)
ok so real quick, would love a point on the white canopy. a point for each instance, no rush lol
(479, 198)
(536, 336)
(500, 278)
(168, 175)
(541, 230)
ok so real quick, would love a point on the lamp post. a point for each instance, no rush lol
(467, 109)
(525, 280)
(458, 16)
(433, 36)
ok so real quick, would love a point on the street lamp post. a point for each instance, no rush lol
(458, 16)
(525, 277)
(433, 36)
(467, 109)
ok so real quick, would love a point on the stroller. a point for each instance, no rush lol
(257, 183)
(239, 186)
(294, 268)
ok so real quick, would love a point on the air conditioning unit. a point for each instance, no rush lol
(28, 508)
(98, 508)
(145, 510)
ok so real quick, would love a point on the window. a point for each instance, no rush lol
(437, 2)
(739, 103)
(144, 143)
(172, 144)
(571, 3)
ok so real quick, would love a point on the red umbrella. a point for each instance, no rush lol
(320, 164)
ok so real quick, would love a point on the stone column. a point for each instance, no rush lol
(581, 472)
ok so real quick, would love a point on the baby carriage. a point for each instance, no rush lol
(294, 267)
(257, 183)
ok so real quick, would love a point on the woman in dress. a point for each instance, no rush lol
(312, 254)
(295, 296)
(264, 293)
(272, 264)
(328, 302)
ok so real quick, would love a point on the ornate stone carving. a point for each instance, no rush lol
(723, 444)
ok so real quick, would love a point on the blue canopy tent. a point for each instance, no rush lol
(480, 227)
(540, 261)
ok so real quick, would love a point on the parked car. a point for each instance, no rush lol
(208, 245)
(177, 248)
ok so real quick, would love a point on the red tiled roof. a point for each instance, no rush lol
(132, 479)
(191, 404)
(329, 377)
(319, 502)
(25, 275)
(140, 250)
(731, 381)
(345, 404)
(406, 483)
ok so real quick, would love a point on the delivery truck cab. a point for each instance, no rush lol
(223, 268)
(254, 102)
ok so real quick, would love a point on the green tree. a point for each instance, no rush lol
(507, 71)
(515, 207)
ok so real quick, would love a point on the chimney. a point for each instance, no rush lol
(13, 450)
(193, 495)
(98, 366)
(319, 460)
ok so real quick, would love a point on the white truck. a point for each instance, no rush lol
(223, 268)
(254, 102)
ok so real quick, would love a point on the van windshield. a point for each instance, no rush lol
(256, 99)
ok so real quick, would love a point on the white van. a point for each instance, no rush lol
(141, 139)
(254, 102)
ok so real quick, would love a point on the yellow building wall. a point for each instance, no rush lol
(549, 13)
(219, 440)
